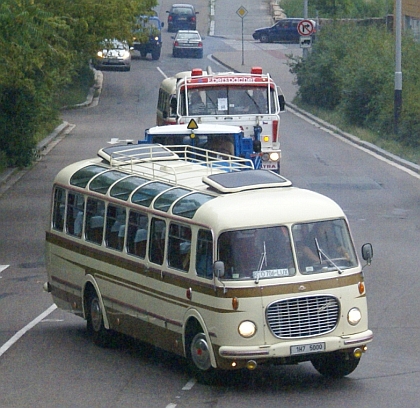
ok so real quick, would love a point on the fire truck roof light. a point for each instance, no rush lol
(256, 70)
(196, 72)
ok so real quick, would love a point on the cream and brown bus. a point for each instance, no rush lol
(228, 266)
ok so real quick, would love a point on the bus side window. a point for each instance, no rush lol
(179, 247)
(74, 217)
(94, 224)
(58, 208)
(115, 227)
(204, 255)
(157, 241)
(137, 234)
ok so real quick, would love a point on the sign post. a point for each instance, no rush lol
(305, 29)
(242, 12)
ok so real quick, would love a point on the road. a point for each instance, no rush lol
(52, 363)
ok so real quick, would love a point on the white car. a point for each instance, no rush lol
(187, 43)
(114, 54)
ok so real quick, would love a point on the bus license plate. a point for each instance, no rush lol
(307, 348)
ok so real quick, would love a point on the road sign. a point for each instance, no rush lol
(305, 27)
(242, 12)
(305, 41)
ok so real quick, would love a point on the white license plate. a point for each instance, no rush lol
(307, 348)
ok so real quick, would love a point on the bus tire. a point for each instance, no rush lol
(199, 362)
(335, 365)
(95, 322)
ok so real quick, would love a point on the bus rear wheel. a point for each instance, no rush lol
(95, 323)
(335, 365)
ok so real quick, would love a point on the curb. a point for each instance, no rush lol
(354, 139)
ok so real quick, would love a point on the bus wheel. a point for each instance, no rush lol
(95, 323)
(199, 359)
(335, 365)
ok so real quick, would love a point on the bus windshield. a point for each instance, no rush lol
(228, 100)
(323, 246)
(257, 253)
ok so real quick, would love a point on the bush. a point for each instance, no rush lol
(18, 115)
(351, 70)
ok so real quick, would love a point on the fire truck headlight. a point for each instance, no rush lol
(274, 156)
(354, 316)
(247, 329)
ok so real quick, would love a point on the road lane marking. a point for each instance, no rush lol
(189, 384)
(28, 327)
(163, 74)
(3, 267)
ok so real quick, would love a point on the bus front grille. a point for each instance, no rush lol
(303, 316)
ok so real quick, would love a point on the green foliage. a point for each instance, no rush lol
(351, 70)
(45, 44)
(339, 8)
(18, 114)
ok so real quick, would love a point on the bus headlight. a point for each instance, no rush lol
(247, 329)
(274, 156)
(354, 316)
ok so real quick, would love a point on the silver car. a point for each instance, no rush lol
(114, 54)
(187, 43)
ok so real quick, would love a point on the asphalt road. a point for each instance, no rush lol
(50, 362)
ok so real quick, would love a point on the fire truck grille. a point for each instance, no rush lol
(303, 317)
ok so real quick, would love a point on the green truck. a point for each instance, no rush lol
(147, 37)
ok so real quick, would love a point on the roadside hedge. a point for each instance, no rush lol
(351, 69)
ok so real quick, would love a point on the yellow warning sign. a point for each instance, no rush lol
(192, 125)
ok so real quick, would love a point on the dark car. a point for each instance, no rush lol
(187, 43)
(284, 30)
(147, 36)
(182, 16)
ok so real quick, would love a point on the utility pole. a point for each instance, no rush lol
(305, 16)
(398, 72)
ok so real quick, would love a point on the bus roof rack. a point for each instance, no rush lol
(146, 159)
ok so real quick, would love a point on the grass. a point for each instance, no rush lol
(390, 145)
(76, 92)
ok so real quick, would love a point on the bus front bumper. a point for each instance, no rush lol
(297, 348)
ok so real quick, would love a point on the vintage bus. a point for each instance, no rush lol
(224, 139)
(227, 266)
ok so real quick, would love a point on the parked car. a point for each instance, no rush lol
(283, 30)
(187, 43)
(182, 16)
(114, 54)
(147, 37)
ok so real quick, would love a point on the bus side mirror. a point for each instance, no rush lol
(282, 103)
(367, 253)
(219, 269)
